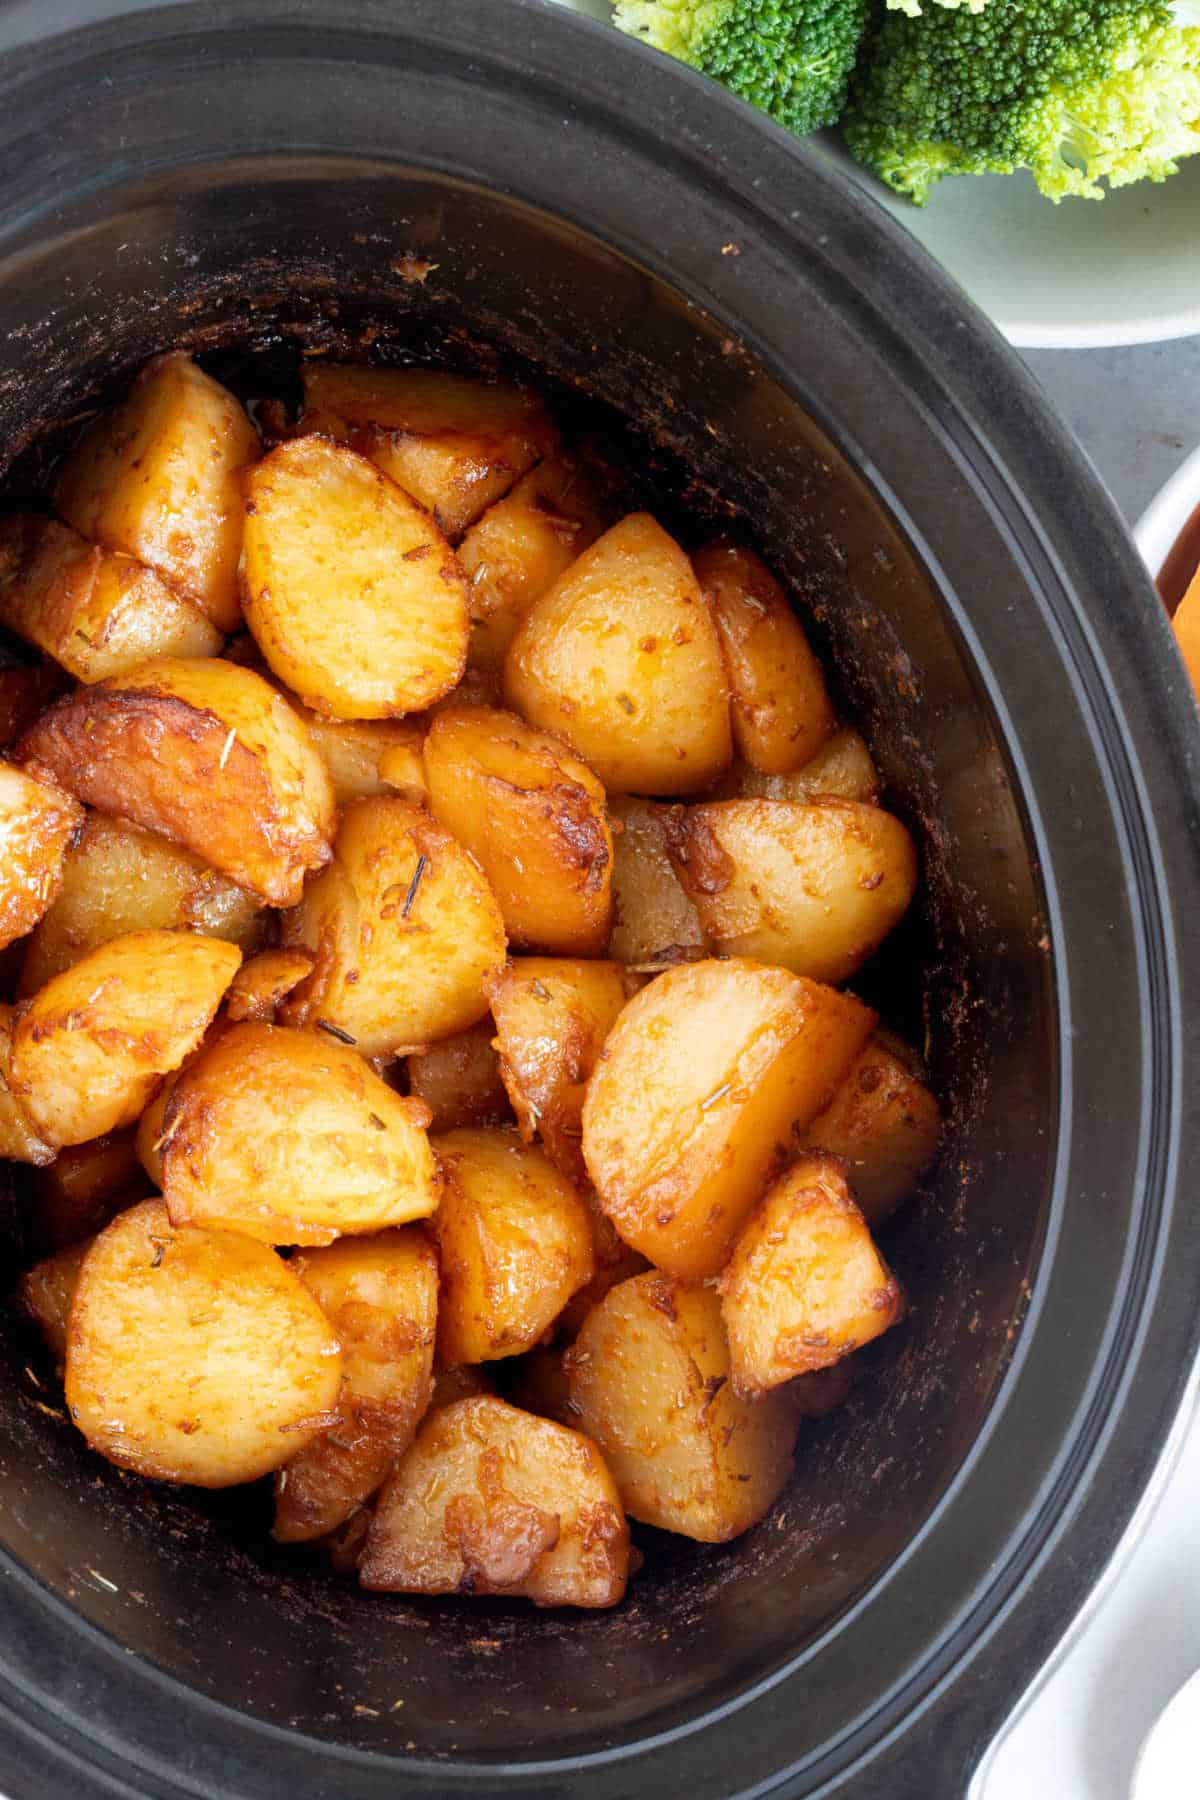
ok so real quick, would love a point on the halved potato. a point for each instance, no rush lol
(46, 1292)
(654, 924)
(805, 1284)
(261, 985)
(781, 710)
(116, 879)
(520, 547)
(353, 595)
(622, 658)
(204, 752)
(403, 928)
(19, 1139)
(380, 1296)
(533, 816)
(37, 823)
(26, 689)
(459, 1080)
(813, 888)
(490, 1500)
(514, 1242)
(699, 1087)
(454, 443)
(841, 770)
(884, 1123)
(157, 477)
(90, 1048)
(292, 1138)
(95, 611)
(552, 1017)
(84, 1187)
(367, 757)
(196, 1356)
(648, 1379)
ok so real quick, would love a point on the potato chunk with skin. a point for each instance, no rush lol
(94, 611)
(520, 547)
(884, 1124)
(403, 929)
(367, 757)
(655, 923)
(84, 1187)
(552, 1017)
(157, 477)
(380, 1296)
(46, 1293)
(805, 1284)
(460, 1082)
(514, 1242)
(196, 1356)
(205, 753)
(455, 443)
(621, 656)
(292, 1138)
(352, 593)
(841, 770)
(698, 1089)
(117, 879)
(19, 1139)
(490, 1500)
(261, 985)
(814, 889)
(37, 823)
(533, 816)
(781, 711)
(91, 1046)
(648, 1379)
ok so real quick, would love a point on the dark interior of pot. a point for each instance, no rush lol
(250, 266)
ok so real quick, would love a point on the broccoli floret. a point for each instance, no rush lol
(792, 58)
(913, 7)
(1080, 92)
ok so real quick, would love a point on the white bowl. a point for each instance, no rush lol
(1160, 526)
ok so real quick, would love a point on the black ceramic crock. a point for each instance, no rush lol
(230, 174)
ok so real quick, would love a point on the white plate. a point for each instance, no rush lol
(1164, 519)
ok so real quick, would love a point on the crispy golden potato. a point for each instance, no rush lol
(514, 1242)
(367, 757)
(25, 691)
(117, 879)
(37, 823)
(292, 1138)
(84, 1187)
(353, 595)
(699, 1087)
(403, 929)
(261, 985)
(196, 1356)
(814, 888)
(380, 1296)
(805, 1284)
(654, 922)
(157, 477)
(461, 1381)
(459, 1080)
(533, 816)
(95, 611)
(884, 1123)
(90, 1047)
(208, 755)
(490, 1500)
(552, 1017)
(841, 770)
(781, 710)
(520, 547)
(621, 657)
(454, 443)
(19, 1140)
(46, 1292)
(648, 1379)
(615, 1262)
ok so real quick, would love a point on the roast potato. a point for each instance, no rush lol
(648, 1379)
(205, 753)
(196, 1356)
(514, 1243)
(380, 1296)
(37, 823)
(90, 1048)
(552, 1017)
(366, 757)
(655, 924)
(26, 689)
(490, 1500)
(814, 889)
(19, 1140)
(805, 1284)
(261, 985)
(841, 770)
(455, 444)
(781, 710)
(884, 1123)
(459, 1080)
(352, 593)
(291, 1137)
(533, 817)
(403, 929)
(699, 1087)
(614, 1262)
(157, 477)
(622, 658)
(46, 1292)
(84, 1187)
(116, 879)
